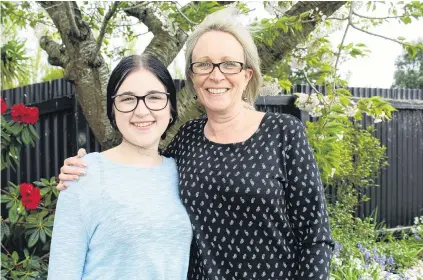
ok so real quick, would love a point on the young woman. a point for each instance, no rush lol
(124, 219)
(248, 179)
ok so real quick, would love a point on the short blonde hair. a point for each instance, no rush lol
(223, 21)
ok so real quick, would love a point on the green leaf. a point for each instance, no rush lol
(45, 181)
(411, 50)
(101, 11)
(13, 214)
(40, 184)
(42, 236)
(5, 198)
(5, 230)
(16, 128)
(33, 239)
(33, 132)
(48, 231)
(15, 257)
(44, 191)
(406, 20)
(25, 136)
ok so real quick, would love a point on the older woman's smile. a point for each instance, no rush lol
(217, 91)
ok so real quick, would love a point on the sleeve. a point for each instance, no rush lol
(306, 205)
(69, 243)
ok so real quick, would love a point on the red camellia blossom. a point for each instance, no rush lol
(3, 106)
(22, 114)
(30, 196)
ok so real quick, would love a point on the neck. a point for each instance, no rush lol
(133, 154)
(218, 122)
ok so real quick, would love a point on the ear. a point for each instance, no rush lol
(248, 74)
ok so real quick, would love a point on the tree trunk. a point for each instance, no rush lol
(90, 78)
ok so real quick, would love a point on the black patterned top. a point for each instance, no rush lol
(257, 207)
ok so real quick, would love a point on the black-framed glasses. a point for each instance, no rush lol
(153, 100)
(226, 67)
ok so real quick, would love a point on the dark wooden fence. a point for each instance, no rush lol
(398, 198)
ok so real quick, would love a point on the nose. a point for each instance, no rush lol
(141, 108)
(217, 75)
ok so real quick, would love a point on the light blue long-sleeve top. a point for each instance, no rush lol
(121, 222)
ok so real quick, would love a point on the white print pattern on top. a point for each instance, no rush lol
(257, 207)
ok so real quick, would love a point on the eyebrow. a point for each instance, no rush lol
(225, 58)
(132, 93)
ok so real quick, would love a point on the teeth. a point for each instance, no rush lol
(144, 124)
(217, 90)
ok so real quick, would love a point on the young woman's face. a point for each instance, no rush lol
(142, 126)
(218, 91)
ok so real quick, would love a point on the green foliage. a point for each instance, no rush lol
(14, 63)
(52, 73)
(359, 251)
(409, 71)
(345, 152)
(25, 230)
(22, 230)
(13, 136)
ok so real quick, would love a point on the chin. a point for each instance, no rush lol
(143, 141)
(218, 106)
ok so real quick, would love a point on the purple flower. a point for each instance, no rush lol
(390, 260)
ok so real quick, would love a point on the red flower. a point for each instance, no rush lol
(3, 106)
(22, 114)
(31, 115)
(30, 196)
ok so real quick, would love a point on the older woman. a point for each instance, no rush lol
(248, 179)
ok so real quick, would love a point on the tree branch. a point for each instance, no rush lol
(140, 4)
(335, 18)
(71, 18)
(284, 43)
(377, 18)
(7, 251)
(179, 10)
(146, 16)
(107, 17)
(165, 44)
(56, 54)
(350, 22)
(342, 41)
(310, 84)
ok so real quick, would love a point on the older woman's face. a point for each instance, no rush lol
(218, 91)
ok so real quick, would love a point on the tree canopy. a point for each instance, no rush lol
(80, 38)
(409, 71)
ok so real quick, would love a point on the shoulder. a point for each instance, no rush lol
(169, 167)
(188, 131)
(192, 126)
(88, 182)
(285, 120)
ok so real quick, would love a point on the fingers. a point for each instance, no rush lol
(61, 186)
(81, 152)
(68, 177)
(75, 161)
(71, 170)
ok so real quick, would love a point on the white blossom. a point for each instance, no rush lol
(351, 111)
